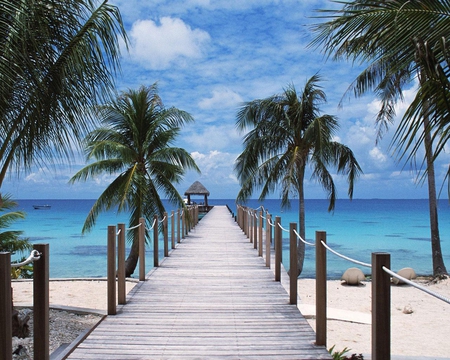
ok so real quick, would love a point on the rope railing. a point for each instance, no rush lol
(34, 256)
(282, 228)
(381, 278)
(417, 286)
(133, 227)
(153, 225)
(303, 240)
(118, 232)
(345, 257)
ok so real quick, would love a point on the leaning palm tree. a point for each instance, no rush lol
(135, 144)
(58, 59)
(401, 41)
(288, 133)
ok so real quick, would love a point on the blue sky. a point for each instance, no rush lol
(210, 56)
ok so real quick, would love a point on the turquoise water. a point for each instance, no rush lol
(356, 229)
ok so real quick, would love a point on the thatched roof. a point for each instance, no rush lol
(197, 188)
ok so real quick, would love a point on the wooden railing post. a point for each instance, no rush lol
(260, 242)
(321, 289)
(111, 270)
(183, 223)
(246, 223)
(172, 223)
(41, 303)
(293, 269)
(381, 307)
(250, 225)
(178, 226)
(278, 248)
(166, 235)
(5, 307)
(141, 249)
(255, 229)
(121, 288)
(268, 239)
(155, 241)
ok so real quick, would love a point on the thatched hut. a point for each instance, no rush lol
(197, 188)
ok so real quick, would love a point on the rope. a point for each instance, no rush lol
(134, 227)
(34, 256)
(417, 286)
(118, 232)
(164, 218)
(154, 222)
(345, 257)
(282, 228)
(304, 241)
(271, 224)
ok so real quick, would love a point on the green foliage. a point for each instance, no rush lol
(340, 355)
(58, 59)
(10, 240)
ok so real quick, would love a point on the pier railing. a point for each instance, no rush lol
(181, 223)
(257, 224)
(40, 257)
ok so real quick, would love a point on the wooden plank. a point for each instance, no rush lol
(212, 298)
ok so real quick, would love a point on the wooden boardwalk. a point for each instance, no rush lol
(212, 298)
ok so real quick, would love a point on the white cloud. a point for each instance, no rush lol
(157, 46)
(221, 99)
(377, 155)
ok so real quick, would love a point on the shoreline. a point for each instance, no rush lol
(419, 325)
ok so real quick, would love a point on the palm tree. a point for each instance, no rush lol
(135, 144)
(400, 41)
(287, 133)
(58, 58)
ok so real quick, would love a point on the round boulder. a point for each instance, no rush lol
(353, 276)
(408, 273)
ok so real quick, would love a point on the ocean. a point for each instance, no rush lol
(355, 229)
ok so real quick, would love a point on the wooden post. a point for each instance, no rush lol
(155, 241)
(278, 248)
(166, 235)
(111, 270)
(172, 223)
(141, 249)
(121, 288)
(178, 226)
(260, 243)
(268, 239)
(183, 223)
(321, 289)
(41, 303)
(5, 307)
(381, 307)
(293, 264)
(246, 223)
(255, 229)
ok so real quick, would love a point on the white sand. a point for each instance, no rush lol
(424, 332)
(90, 294)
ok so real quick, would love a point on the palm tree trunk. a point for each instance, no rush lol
(133, 257)
(438, 261)
(301, 220)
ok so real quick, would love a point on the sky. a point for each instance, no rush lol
(208, 58)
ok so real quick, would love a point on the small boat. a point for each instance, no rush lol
(42, 207)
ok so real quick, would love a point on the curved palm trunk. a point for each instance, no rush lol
(301, 220)
(438, 261)
(133, 257)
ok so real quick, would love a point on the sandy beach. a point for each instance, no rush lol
(420, 322)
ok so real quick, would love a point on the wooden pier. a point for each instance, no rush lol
(212, 298)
